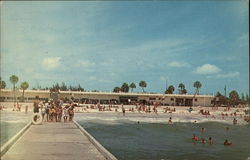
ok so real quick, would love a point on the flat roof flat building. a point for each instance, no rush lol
(7, 95)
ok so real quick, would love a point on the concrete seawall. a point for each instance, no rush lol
(10, 142)
(103, 150)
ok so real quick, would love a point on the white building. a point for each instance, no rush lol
(106, 97)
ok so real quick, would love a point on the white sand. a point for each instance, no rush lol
(180, 115)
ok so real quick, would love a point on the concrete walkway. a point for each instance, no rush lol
(53, 141)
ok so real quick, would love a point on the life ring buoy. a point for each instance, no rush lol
(37, 118)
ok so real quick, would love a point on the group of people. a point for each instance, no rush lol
(168, 109)
(54, 111)
(209, 141)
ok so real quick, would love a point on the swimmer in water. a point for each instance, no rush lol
(234, 121)
(138, 122)
(202, 129)
(203, 140)
(210, 141)
(195, 137)
(170, 120)
(227, 143)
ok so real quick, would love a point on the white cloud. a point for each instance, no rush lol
(86, 63)
(226, 75)
(92, 78)
(51, 63)
(179, 64)
(207, 69)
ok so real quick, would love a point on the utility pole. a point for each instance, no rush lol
(225, 89)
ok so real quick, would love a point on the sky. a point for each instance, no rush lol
(101, 45)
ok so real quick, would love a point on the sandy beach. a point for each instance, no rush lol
(177, 113)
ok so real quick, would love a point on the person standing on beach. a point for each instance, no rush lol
(123, 110)
(26, 109)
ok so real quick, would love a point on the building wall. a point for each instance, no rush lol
(168, 99)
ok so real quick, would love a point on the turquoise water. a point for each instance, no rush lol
(8, 130)
(157, 141)
(11, 123)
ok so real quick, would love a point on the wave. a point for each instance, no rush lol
(118, 119)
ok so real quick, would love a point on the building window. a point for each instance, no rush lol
(195, 100)
(172, 99)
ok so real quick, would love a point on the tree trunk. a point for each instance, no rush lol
(14, 89)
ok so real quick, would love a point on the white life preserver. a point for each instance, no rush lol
(38, 118)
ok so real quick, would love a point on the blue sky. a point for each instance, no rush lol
(100, 45)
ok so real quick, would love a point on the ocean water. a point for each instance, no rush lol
(11, 123)
(8, 130)
(128, 140)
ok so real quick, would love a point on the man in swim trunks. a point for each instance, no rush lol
(36, 104)
(210, 140)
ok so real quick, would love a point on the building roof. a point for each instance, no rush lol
(114, 93)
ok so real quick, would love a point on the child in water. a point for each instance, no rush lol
(227, 143)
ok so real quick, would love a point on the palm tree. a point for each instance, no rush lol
(2, 84)
(63, 87)
(14, 80)
(170, 90)
(24, 86)
(143, 85)
(116, 89)
(182, 87)
(197, 85)
(184, 91)
(125, 87)
(132, 86)
(79, 88)
(234, 97)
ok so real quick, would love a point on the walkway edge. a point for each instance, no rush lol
(10, 142)
(99, 147)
